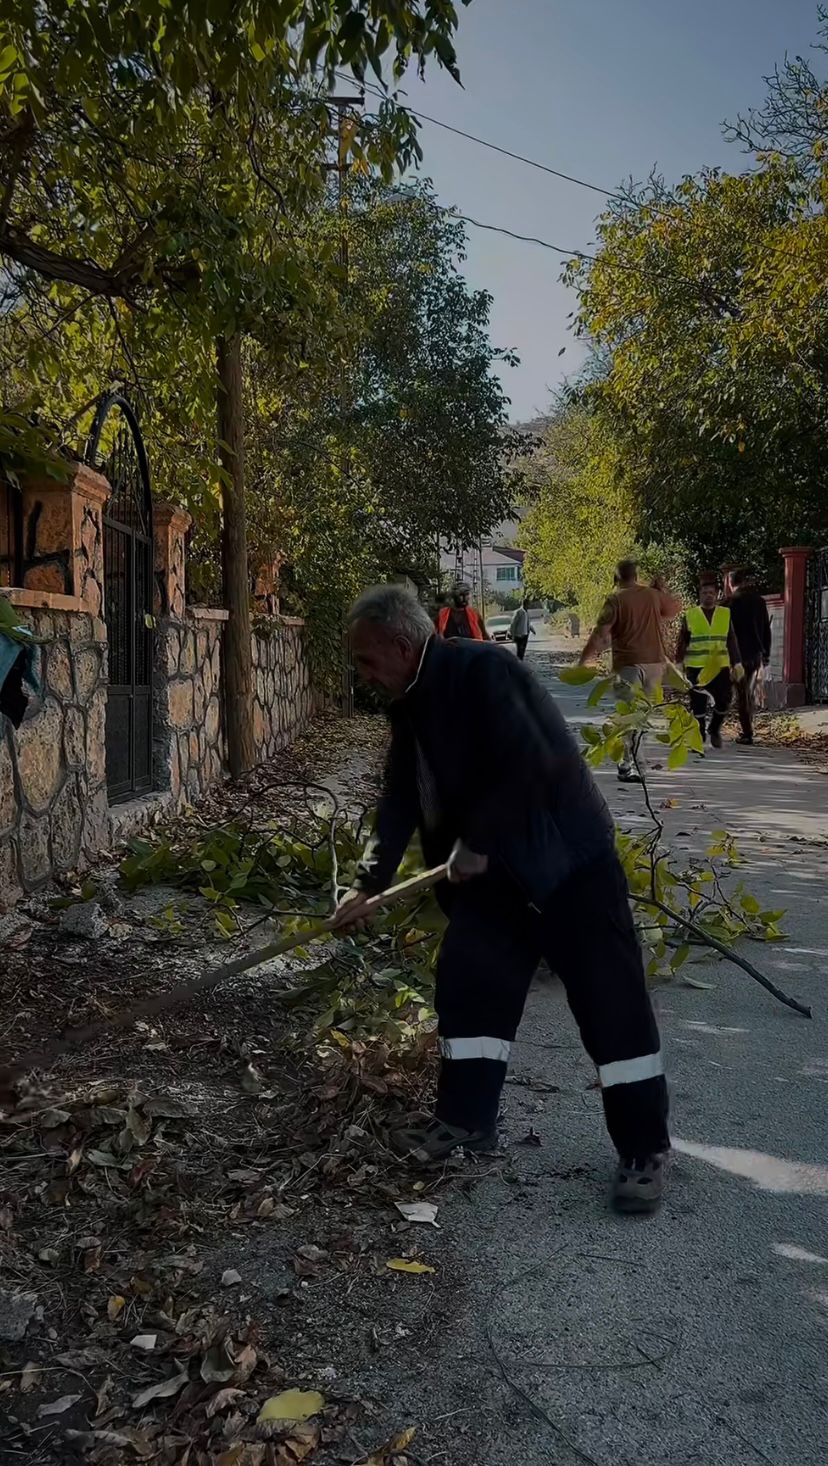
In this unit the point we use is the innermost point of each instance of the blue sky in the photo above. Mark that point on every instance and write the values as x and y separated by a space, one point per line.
599 88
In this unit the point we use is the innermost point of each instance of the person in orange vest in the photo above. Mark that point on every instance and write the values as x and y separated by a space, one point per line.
461 619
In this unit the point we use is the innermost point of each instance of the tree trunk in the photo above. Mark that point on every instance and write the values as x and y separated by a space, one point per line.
237 659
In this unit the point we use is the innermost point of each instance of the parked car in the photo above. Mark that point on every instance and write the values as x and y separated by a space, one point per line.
498 627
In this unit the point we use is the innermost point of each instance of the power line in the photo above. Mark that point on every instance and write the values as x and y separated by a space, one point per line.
494 147
453 213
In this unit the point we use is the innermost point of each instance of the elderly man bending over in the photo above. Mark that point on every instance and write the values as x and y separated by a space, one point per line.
483 764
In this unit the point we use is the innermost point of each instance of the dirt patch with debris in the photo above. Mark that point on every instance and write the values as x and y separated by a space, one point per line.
783 730
199 1216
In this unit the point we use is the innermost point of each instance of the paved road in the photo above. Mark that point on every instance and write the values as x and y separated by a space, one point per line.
698 1337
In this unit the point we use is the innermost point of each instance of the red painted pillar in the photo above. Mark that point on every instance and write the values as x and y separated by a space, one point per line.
796 591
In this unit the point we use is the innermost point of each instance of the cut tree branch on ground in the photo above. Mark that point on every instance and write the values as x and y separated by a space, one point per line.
724 951
184 992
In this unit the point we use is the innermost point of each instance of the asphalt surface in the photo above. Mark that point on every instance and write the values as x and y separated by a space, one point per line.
698 1337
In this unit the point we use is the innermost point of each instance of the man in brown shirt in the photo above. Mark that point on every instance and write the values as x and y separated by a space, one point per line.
633 621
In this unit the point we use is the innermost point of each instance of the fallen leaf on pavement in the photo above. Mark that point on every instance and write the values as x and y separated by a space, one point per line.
418 1211
252 1081
242 1455
532 1138
298 1446
57 1407
30 1377
114 1306
402 1265
230 1278
384 1454
222 1400
163 1391
218 1365
245 1363
291 1405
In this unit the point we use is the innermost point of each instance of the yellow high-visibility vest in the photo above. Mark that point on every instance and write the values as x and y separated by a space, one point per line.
708 639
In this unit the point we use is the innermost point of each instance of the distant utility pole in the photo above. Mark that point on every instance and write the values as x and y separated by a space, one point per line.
341 167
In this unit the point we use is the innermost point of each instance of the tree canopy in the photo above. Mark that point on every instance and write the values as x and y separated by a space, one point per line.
708 306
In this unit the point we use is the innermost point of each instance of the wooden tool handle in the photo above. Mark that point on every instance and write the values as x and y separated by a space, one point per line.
176 997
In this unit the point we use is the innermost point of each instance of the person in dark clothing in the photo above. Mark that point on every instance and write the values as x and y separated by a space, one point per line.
752 629
461 619
533 873
707 643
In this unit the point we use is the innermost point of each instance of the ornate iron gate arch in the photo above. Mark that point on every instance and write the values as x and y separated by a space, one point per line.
116 449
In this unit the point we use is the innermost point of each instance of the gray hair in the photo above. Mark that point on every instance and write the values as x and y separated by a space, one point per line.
395 609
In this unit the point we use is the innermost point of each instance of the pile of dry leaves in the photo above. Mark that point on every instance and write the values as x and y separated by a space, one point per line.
143 1179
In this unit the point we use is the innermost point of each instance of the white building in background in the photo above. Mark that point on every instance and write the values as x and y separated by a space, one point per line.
496 556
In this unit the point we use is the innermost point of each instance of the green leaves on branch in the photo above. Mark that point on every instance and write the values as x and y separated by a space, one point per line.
665 889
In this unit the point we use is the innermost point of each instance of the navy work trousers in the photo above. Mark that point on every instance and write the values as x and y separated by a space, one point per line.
490 952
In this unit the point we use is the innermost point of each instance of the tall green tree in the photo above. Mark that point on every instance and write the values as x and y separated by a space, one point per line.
152 159
709 302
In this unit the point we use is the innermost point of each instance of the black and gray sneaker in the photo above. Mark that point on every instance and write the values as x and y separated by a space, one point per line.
639 1184
434 1140
628 776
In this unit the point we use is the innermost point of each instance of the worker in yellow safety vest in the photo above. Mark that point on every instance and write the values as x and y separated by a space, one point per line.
707 641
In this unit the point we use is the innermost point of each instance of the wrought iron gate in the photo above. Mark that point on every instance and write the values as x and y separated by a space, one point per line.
116 448
818 627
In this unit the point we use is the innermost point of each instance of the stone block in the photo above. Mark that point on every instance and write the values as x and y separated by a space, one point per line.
10 888
80 628
200 697
212 720
67 827
202 648
172 771
96 740
59 671
180 702
188 652
258 726
9 808
194 756
167 650
35 855
87 672
184 756
74 738
40 755
96 829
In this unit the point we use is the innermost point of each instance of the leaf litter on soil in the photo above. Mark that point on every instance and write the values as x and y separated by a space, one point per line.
143 1169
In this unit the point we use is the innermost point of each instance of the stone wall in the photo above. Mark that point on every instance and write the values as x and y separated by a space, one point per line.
53 806
188 741
284 699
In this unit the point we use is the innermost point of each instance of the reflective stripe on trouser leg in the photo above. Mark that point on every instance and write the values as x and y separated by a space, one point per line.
476 1048
472 1070
631 1071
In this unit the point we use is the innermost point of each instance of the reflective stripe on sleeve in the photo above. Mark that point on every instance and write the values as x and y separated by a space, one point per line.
630 1071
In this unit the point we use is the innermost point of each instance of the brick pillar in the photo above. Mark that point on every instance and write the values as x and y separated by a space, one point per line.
63 536
796 559
169 527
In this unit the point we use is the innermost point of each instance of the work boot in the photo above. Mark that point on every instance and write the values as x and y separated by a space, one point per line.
639 1184
716 738
628 776
745 738
434 1140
